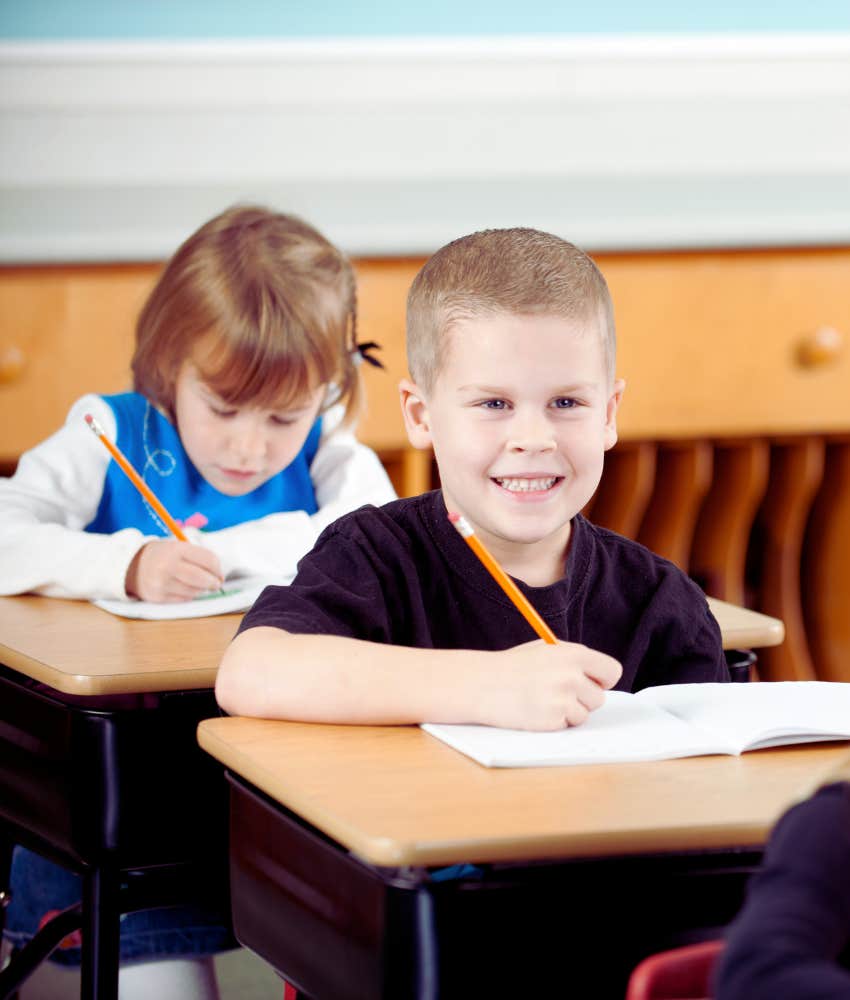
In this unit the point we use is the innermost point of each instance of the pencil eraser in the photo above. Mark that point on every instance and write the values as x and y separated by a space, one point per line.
89 419
454 518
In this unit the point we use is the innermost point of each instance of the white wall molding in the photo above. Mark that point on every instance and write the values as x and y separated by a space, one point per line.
117 151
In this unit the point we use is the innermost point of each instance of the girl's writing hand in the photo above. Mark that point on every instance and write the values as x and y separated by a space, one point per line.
167 570
544 687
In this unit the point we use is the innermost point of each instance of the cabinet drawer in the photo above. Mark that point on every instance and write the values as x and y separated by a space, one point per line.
723 344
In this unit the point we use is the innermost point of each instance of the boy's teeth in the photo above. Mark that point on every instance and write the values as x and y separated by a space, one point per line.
526 485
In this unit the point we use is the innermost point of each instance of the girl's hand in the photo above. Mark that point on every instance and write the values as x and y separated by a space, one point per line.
541 686
167 570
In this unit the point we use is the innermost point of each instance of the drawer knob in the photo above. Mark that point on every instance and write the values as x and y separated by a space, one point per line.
823 347
12 364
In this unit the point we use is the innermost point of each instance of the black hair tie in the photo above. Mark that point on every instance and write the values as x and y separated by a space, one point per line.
362 352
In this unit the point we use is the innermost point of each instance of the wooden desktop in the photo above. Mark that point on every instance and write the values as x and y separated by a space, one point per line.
395 796
79 649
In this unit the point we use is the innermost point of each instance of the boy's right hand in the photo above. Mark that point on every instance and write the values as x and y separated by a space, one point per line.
544 687
167 570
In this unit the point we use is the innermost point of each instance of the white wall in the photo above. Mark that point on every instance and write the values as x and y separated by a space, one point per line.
117 150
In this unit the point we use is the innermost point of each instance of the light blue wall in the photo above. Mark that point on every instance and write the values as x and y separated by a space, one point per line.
182 19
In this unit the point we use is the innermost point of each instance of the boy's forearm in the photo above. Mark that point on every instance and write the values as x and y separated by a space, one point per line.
273 674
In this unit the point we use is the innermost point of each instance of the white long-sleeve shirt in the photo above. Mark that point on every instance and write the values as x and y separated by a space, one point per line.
57 487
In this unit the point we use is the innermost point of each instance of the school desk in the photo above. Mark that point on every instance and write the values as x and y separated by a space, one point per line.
339 833
741 628
87 772
99 767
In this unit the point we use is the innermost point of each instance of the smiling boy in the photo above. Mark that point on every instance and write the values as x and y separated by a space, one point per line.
391 619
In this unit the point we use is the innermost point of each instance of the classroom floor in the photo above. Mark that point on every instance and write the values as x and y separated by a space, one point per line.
241 976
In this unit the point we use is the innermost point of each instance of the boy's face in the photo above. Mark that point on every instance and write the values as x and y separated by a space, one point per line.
238 448
519 418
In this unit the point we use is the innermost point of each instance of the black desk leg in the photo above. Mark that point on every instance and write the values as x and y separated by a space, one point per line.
428 964
101 931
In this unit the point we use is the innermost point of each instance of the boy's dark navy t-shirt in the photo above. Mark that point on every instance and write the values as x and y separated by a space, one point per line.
401 574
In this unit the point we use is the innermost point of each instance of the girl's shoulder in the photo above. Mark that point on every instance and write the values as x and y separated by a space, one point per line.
107 409
332 420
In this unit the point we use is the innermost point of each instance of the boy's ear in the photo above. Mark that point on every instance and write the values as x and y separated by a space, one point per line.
611 408
414 409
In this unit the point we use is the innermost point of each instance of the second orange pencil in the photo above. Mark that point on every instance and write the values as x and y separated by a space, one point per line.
136 479
523 605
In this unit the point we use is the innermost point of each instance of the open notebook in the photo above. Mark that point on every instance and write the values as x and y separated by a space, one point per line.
677 720
238 595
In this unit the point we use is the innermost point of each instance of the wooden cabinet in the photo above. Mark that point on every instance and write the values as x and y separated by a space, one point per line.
64 331
734 453
710 344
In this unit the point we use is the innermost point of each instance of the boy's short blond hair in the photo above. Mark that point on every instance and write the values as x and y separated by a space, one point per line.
271 300
521 272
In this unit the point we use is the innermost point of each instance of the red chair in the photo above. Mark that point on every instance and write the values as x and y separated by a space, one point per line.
679 974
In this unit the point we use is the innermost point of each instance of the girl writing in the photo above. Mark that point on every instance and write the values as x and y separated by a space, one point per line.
245 385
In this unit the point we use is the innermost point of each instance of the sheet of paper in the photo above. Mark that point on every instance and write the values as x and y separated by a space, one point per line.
624 729
759 714
239 595
674 720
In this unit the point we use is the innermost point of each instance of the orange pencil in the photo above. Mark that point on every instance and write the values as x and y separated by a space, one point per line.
522 603
136 479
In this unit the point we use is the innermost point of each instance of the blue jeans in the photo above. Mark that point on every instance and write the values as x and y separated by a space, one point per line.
40 887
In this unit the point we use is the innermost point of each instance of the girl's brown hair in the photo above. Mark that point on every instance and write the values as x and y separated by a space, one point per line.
272 300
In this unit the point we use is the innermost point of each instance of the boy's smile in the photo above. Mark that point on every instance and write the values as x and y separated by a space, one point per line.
520 417
538 485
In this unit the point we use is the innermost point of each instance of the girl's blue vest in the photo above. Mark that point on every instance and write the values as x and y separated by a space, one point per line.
153 446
